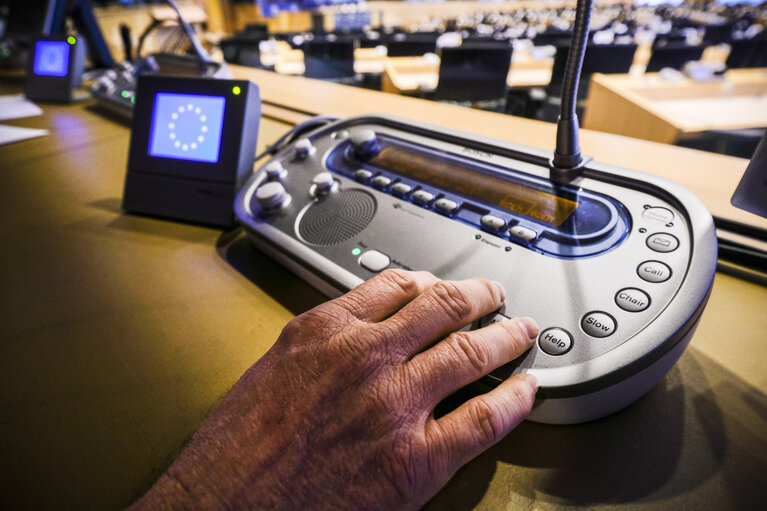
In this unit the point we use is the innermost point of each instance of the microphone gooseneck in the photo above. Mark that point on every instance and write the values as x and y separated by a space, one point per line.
568 161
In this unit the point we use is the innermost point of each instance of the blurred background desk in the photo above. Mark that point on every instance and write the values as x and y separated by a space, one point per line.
121 332
651 108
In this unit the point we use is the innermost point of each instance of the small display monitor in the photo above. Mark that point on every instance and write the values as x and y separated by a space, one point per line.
51 58
193 142
187 126
55 68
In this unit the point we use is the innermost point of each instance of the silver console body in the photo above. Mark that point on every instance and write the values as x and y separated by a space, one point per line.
650 297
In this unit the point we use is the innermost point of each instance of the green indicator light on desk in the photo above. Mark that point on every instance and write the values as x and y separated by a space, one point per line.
125 93
133 99
71 40
236 90
356 251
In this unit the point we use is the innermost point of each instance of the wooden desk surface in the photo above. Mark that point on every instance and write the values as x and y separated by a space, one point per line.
121 332
651 108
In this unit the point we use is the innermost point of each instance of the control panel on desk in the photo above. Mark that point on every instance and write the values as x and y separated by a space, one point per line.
599 263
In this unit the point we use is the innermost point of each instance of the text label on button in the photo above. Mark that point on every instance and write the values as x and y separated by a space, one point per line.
555 341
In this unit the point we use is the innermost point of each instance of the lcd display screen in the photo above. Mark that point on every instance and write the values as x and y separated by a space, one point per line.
187 126
442 173
51 58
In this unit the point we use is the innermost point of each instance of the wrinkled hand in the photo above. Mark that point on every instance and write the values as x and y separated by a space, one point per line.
339 413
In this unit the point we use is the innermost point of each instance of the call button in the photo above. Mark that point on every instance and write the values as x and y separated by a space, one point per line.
654 271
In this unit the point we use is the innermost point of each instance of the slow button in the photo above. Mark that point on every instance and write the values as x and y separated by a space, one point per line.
598 324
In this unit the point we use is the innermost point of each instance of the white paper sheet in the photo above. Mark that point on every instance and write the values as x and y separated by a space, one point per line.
16 106
10 134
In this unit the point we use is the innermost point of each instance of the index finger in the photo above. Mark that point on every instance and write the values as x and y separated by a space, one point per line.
386 293
445 307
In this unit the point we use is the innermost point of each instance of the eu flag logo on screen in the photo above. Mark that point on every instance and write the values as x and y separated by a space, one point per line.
51 58
187 126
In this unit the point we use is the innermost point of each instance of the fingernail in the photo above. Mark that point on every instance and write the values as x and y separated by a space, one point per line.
532 382
501 289
530 326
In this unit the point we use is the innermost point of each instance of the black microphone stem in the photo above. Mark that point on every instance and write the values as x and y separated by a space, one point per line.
567 161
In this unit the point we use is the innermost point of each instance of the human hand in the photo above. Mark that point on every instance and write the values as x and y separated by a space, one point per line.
339 413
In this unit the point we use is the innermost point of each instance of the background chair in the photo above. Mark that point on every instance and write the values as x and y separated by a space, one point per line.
411 45
748 53
330 60
242 50
673 55
474 74
599 58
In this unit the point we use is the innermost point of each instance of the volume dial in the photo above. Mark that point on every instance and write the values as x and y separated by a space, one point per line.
303 148
323 183
275 170
272 195
365 143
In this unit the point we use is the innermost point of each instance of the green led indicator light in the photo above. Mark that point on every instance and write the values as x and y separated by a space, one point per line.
125 93
133 99
356 251
236 90
71 40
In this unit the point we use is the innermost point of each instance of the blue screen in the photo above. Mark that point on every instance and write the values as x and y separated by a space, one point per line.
51 58
187 126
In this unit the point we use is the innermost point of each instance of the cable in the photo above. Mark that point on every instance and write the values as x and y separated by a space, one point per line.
198 49
295 132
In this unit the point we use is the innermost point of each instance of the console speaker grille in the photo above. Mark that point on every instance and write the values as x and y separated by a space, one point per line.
337 217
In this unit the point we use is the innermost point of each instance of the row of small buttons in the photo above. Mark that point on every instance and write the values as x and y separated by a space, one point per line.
558 341
498 224
443 204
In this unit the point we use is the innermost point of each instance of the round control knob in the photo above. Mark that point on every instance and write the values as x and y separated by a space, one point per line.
275 170
272 195
323 182
303 148
124 66
104 85
365 143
